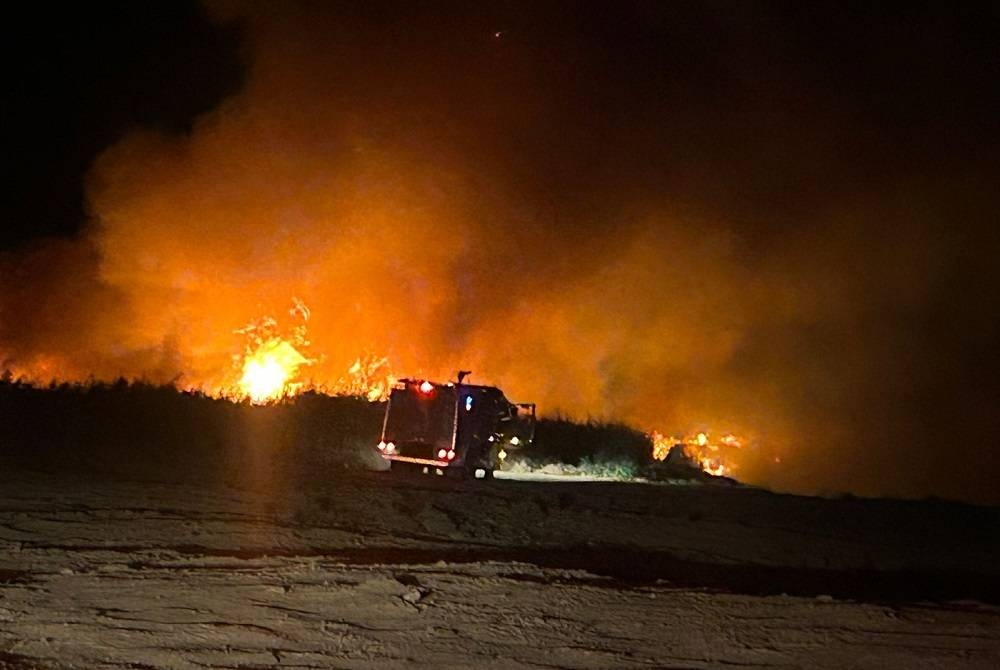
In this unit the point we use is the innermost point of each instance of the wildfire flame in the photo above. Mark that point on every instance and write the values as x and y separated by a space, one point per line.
271 361
709 455
369 377
269 368
268 372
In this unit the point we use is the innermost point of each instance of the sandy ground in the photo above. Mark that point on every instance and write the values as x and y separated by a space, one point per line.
373 570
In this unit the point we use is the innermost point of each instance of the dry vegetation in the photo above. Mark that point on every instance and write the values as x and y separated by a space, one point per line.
156 430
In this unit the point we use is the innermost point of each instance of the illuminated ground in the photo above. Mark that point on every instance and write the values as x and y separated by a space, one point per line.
370 570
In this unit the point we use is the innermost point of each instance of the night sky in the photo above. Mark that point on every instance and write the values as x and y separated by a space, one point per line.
776 217
81 76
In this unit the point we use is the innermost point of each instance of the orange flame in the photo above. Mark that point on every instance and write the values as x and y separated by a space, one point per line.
270 367
369 377
268 372
271 362
710 456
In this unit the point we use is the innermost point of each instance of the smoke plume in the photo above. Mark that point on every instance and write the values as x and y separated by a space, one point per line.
708 235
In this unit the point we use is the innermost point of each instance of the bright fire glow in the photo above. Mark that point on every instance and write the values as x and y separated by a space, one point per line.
268 372
270 367
370 377
426 387
661 445
701 450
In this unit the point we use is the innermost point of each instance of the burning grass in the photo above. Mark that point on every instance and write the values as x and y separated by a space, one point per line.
272 368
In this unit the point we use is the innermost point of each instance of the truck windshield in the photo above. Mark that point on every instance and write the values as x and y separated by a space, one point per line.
428 418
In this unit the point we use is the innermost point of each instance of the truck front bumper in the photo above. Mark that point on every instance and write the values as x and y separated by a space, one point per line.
418 461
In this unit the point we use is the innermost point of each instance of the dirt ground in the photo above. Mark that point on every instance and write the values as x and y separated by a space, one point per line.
374 570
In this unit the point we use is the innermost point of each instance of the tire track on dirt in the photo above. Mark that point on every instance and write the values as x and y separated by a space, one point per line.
612 566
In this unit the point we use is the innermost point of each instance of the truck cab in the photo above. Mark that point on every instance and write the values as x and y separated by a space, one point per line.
453 428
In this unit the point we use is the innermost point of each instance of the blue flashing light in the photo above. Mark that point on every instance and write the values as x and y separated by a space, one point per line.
468 403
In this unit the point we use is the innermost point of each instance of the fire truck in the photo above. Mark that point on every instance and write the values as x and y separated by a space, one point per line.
453 428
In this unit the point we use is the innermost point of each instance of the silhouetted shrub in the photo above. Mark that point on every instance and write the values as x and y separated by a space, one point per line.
160 432
564 441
